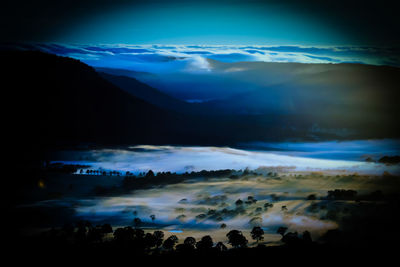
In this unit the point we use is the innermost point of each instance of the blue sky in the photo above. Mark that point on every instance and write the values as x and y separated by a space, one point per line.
227 22
198 23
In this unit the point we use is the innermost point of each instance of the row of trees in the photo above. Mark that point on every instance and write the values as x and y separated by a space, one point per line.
150 174
135 238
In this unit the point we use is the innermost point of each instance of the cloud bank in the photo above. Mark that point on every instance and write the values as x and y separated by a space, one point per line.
176 58
181 159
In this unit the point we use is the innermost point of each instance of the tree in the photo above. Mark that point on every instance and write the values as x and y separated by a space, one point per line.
291 239
188 246
138 233
125 234
159 235
150 174
150 240
236 239
95 235
83 228
257 233
221 247
170 242
206 243
190 242
267 206
311 197
282 230
106 228
239 202
307 237
251 200
137 222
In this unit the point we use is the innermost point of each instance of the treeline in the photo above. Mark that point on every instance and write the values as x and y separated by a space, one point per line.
84 234
349 194
388 160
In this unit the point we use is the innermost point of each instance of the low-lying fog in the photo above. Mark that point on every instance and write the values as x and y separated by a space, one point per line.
334 156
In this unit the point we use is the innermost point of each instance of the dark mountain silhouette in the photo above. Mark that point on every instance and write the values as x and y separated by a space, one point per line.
56 101
124 72
152 95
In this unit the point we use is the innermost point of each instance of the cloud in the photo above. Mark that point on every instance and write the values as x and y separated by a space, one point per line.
153 57
199 63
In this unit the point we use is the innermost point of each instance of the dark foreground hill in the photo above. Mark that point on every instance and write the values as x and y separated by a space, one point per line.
152 95
53 101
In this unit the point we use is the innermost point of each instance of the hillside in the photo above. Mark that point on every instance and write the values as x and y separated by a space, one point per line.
152 95
55 102
59 101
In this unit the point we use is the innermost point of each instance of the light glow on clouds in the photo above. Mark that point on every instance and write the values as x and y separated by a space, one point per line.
199 63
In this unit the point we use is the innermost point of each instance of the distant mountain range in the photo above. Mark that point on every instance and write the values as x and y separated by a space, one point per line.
336 100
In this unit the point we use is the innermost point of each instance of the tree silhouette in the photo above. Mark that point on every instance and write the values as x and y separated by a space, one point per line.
137 222
150 240
267 206
236 239
311 197
239 202
83 229
257 233
124 235
188 246
307 237
150 174
282 230
106 228
159 236
170 242
291 239
206 243
190 242
220 247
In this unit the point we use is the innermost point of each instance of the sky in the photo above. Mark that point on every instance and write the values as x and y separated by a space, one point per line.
234 22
